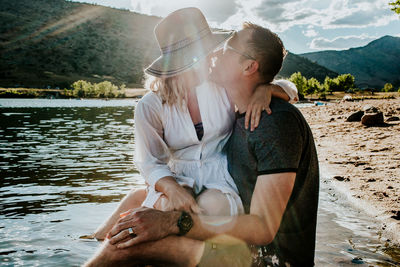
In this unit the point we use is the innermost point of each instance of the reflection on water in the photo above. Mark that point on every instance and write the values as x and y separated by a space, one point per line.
65 164
62 169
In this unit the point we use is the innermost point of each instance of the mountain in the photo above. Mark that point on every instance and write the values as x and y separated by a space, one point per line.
294 63
372 65
56 42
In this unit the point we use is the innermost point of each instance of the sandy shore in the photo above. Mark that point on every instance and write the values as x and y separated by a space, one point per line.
363 162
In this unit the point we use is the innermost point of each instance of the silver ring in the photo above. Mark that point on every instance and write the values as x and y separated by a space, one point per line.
131 232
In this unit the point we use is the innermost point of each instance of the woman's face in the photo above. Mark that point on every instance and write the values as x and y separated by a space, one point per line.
199 73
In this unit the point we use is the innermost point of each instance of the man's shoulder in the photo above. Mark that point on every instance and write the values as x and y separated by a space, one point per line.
279 106
283 115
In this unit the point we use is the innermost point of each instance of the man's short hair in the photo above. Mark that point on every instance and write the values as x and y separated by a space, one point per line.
267 48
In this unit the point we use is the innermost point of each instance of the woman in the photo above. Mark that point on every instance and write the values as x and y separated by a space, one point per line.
182 125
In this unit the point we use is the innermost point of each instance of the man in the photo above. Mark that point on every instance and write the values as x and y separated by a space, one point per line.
275 168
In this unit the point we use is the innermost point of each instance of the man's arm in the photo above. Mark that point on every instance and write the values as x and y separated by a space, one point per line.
270 197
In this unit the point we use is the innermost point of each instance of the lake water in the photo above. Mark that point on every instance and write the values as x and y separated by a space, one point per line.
65 164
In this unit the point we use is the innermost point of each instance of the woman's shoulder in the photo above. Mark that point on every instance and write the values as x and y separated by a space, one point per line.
151 99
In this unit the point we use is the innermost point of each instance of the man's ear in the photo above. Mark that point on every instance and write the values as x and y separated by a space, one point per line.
251 67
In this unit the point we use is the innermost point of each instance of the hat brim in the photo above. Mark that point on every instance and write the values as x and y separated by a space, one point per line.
173 63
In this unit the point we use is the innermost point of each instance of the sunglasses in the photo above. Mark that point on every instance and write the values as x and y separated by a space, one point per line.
226 46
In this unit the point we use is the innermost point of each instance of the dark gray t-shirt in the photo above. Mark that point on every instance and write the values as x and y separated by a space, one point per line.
283 142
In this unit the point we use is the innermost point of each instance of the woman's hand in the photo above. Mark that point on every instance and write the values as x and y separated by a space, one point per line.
176 196
260 101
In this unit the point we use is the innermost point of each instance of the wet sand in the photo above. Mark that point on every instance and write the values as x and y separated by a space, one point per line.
363 162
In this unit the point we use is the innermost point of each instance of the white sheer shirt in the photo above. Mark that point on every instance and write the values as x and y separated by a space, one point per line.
167 143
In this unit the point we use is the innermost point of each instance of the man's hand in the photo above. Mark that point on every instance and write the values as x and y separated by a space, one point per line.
147 225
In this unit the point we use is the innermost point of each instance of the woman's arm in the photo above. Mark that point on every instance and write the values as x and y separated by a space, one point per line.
284 90
152 155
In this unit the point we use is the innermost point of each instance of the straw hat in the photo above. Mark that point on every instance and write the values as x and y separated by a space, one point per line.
184 38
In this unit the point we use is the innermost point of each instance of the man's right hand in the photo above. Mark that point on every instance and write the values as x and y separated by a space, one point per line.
176 197
147 225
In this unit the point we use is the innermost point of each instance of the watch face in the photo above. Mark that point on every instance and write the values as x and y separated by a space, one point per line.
185 223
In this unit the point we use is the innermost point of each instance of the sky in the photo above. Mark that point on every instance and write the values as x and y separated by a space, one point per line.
303 25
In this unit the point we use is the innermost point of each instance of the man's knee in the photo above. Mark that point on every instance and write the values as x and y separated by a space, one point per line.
217 254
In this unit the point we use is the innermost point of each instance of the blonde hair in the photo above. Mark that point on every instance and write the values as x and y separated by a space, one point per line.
171 90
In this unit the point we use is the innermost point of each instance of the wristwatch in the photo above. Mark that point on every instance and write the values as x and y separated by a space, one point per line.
185 223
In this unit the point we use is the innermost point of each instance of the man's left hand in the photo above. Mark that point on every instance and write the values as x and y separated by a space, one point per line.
147 225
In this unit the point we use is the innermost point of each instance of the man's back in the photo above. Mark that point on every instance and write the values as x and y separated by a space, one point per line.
282 142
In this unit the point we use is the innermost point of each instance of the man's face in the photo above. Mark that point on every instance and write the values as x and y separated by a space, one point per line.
228 63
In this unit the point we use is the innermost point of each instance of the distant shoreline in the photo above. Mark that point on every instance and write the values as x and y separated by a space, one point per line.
60 93
139 92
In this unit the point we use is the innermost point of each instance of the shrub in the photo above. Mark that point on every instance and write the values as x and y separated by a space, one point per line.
102 90
388 88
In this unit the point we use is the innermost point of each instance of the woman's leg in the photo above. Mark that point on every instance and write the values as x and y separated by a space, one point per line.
214 203
132 200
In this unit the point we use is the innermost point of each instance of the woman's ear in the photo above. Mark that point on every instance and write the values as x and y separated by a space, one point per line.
251 67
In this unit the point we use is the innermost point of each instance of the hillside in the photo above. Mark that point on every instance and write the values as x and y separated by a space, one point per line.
372 65
55 42
52 43
294 63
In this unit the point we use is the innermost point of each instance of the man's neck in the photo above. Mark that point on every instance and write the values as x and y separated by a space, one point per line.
241 94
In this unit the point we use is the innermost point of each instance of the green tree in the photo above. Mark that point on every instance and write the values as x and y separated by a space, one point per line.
398 90
395 6
80 88
301 83
388 87
331 84
346 82
313 87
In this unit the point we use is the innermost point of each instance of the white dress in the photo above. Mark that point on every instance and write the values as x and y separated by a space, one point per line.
167 143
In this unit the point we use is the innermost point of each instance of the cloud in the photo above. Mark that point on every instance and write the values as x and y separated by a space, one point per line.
278 15
310 33
341 42
360 14
283 15
216 11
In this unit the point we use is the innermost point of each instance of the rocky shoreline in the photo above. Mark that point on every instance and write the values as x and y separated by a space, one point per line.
362 161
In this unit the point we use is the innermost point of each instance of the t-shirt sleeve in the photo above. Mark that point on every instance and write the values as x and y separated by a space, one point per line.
277 143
